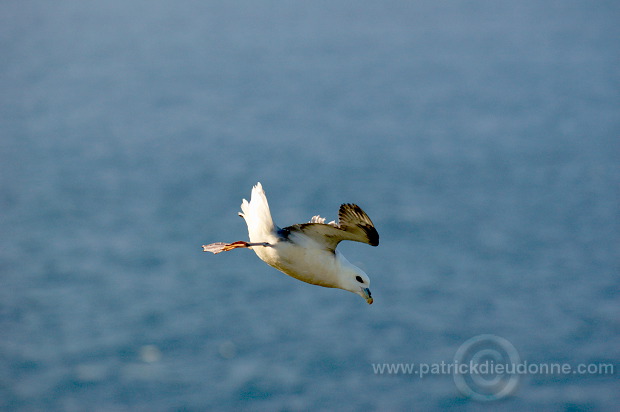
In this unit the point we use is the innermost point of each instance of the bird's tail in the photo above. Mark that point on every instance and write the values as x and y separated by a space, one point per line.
257 216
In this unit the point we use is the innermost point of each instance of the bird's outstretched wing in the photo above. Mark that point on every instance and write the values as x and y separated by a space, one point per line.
353 224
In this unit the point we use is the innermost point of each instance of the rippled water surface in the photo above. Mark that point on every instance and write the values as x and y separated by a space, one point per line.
481 138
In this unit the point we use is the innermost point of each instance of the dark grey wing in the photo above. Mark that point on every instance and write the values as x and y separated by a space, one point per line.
327 235
353 220
353 224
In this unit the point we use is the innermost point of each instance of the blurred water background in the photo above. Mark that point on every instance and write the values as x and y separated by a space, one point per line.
481 137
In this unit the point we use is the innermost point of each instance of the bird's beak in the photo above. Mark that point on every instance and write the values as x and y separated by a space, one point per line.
366 295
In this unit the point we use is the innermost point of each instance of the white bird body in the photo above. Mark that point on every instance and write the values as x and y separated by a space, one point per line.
307 251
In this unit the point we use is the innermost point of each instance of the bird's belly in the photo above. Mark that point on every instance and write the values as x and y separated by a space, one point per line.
314 266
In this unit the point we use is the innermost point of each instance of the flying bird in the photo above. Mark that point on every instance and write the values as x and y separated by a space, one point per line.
307 251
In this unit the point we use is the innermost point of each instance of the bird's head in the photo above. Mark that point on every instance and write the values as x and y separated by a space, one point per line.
356 281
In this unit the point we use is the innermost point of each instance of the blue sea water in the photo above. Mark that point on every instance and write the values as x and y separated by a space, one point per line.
481 137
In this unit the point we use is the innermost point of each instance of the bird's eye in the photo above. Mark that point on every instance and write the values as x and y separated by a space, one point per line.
359 279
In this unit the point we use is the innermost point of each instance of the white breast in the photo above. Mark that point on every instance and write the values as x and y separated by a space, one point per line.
306 261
